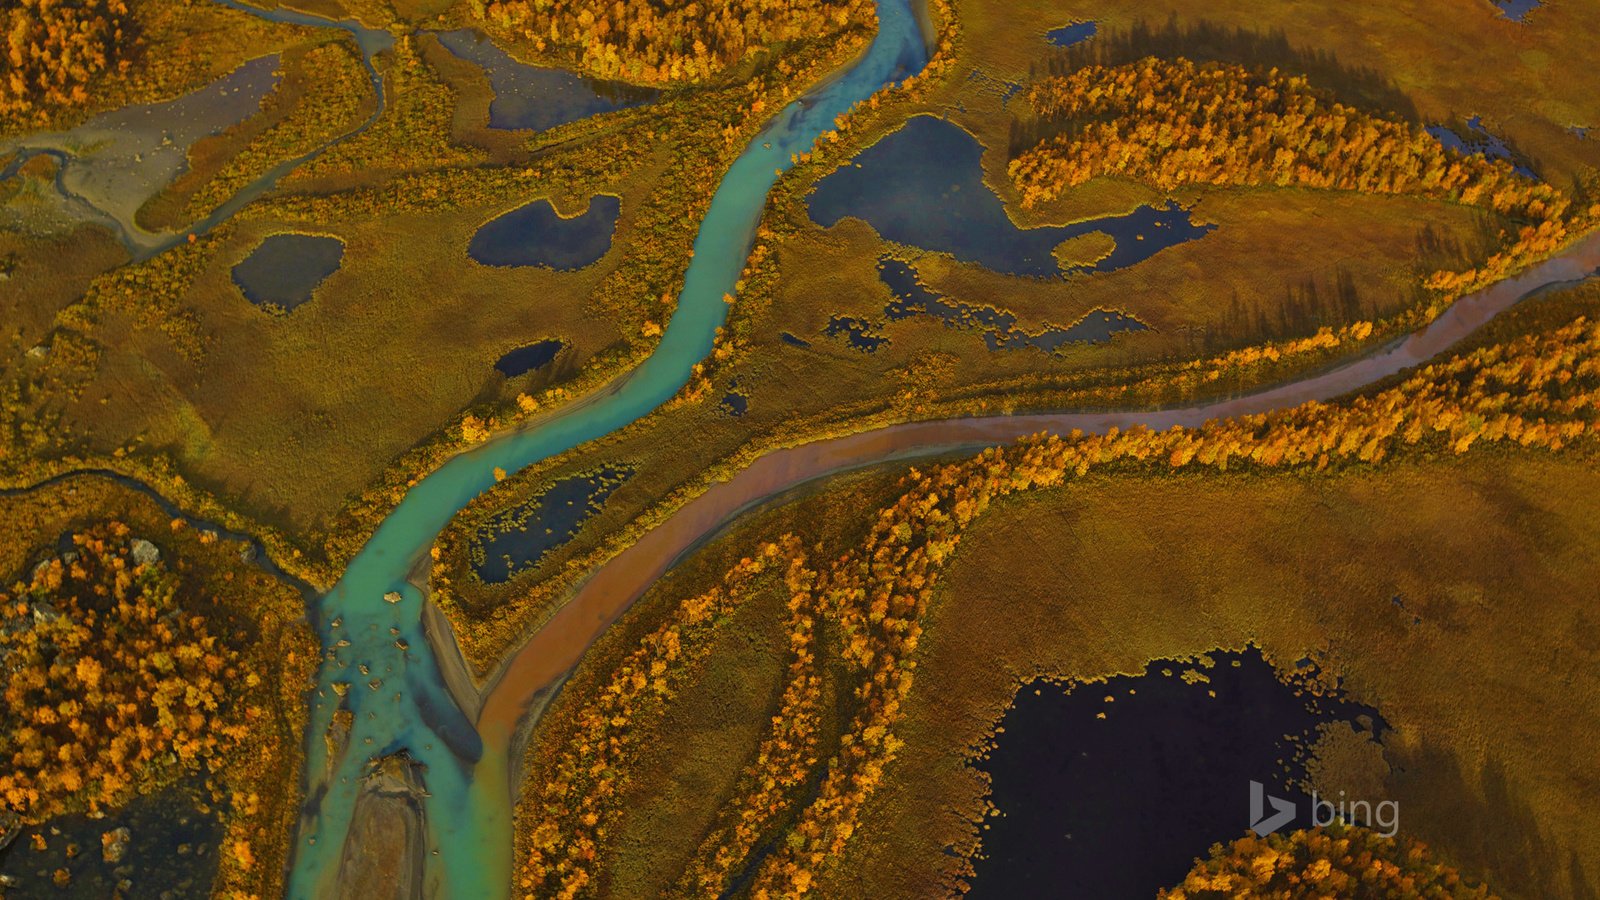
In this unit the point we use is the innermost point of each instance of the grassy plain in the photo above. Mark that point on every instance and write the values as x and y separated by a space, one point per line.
1281 263
289 415
279 415
1492 551
1447 591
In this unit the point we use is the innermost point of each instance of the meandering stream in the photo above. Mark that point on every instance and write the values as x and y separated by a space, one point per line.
380 667
551 652
109 166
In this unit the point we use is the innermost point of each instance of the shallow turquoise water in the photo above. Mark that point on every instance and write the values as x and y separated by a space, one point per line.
398 702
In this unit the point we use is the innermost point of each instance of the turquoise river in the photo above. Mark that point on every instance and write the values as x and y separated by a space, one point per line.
379 665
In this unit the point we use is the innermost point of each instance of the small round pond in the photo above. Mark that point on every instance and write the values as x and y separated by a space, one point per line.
526 359
285 269
537 235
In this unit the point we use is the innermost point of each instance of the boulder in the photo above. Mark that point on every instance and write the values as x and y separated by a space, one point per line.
144 552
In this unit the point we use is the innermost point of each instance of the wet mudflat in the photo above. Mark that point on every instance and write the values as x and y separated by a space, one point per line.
537 97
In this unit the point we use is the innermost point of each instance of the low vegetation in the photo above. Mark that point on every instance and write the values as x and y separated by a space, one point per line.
1538 390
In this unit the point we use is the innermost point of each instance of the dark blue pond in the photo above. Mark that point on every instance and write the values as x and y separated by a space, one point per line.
515 539
735 404
923 186
1067 35
285 269
1516 10
860 333
534 97
1000 331
1481 143
536 235
171 849
794 340
1120 807
522 360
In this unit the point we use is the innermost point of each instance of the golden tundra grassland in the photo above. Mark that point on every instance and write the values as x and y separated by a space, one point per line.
1271 243
305 428
163 365
410 325
1494 550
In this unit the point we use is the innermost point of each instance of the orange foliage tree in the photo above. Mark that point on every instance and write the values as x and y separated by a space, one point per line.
647 41
1176 122
570 812
109 681
1337 861
55 48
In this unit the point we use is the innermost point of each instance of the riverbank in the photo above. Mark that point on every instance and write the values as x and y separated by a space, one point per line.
608 591
1364 523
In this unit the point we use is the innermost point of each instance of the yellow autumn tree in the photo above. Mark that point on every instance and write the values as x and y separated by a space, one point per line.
1336 861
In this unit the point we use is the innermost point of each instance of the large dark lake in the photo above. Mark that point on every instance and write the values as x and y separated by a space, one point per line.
1120 806
923 186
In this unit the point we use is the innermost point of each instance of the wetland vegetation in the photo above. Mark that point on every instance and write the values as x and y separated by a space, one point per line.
889 681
